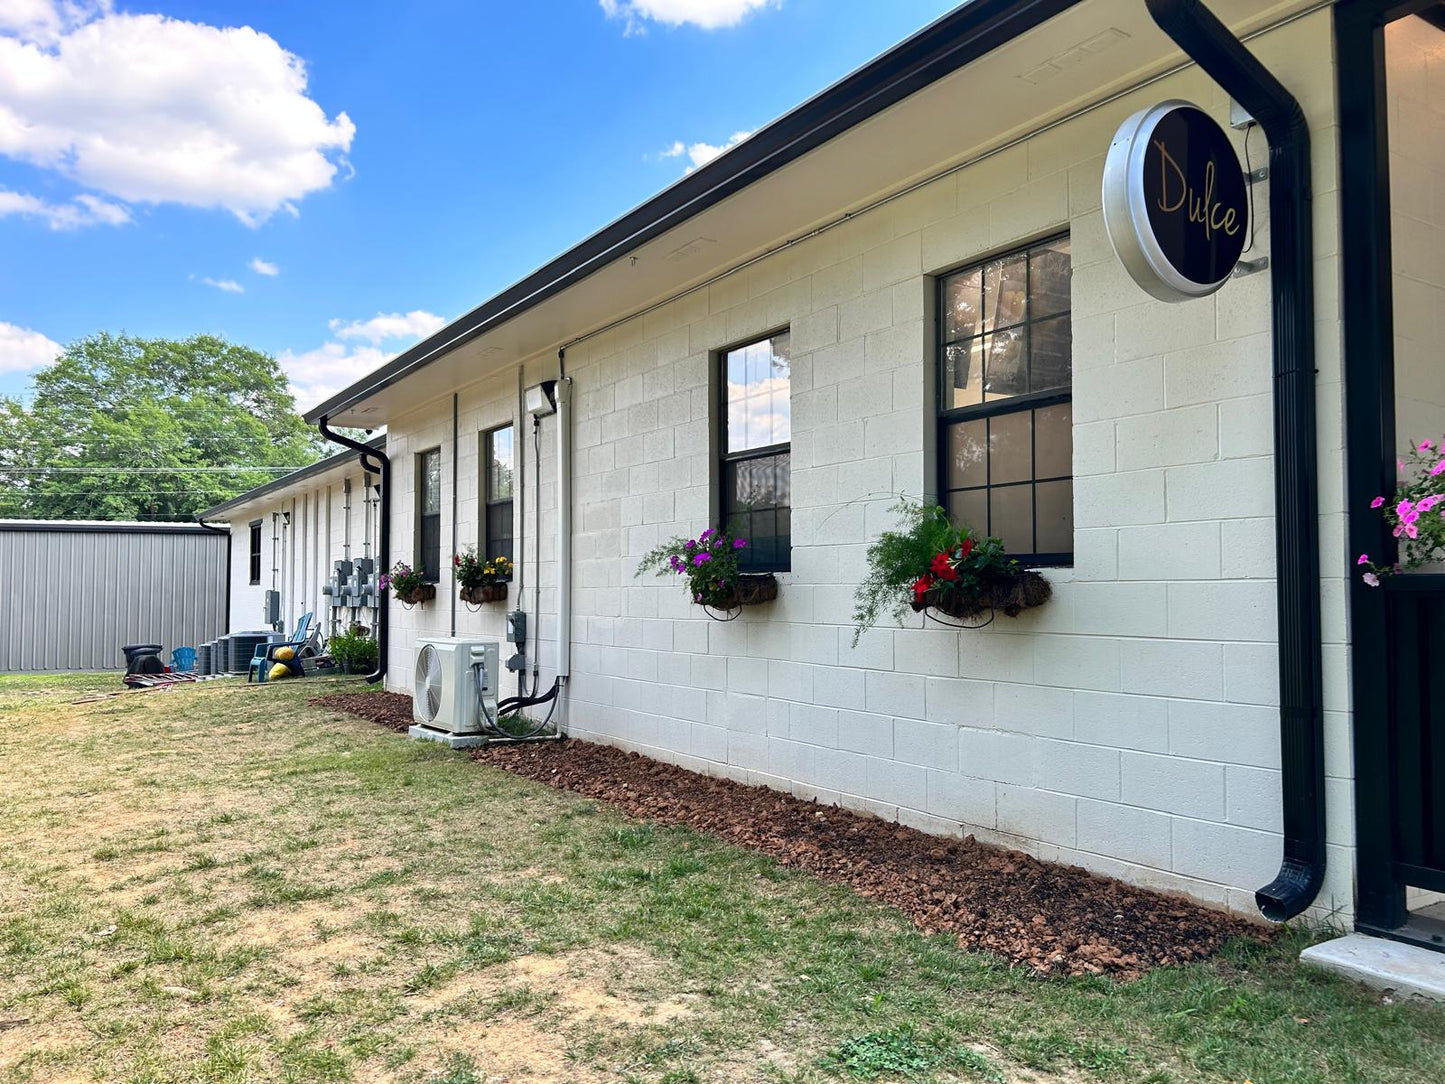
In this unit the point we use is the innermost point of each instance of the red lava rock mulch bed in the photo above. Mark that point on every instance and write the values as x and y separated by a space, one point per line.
391 710
1053 918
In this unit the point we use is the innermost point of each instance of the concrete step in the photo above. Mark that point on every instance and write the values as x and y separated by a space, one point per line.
1391 966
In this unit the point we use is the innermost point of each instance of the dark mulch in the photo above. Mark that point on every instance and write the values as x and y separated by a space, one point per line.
1056 919
391 710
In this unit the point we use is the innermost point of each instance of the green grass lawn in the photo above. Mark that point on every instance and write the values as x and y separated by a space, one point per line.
218 883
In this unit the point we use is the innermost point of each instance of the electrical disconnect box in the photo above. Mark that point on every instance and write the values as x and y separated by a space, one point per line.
271 608
517 627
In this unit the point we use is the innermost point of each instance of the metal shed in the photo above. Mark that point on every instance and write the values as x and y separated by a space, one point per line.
71 593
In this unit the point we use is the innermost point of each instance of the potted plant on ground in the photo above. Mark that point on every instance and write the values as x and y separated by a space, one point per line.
407 584
709 564
1416 513
354 650
930 566
482 580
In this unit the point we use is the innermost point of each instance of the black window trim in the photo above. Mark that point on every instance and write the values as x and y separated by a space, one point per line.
1014 404
721 457
484 459
255 546
417 504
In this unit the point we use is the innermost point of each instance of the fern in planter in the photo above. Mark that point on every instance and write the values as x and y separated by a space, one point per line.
928 563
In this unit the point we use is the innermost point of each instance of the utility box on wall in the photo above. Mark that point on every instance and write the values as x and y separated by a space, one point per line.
271 608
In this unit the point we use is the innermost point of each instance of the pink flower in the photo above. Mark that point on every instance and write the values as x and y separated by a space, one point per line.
1403 509
1371 579
1425 446
1364 559
1379 501
702 559
739 543
1438 469
1411 531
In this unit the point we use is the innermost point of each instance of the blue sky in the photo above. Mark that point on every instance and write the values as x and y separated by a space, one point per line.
327 182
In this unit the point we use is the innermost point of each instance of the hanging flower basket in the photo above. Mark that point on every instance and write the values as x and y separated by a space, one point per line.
416 595
487 592
932 567
1006 593
749 589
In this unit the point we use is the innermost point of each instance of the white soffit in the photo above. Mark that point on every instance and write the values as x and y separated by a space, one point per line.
1080 56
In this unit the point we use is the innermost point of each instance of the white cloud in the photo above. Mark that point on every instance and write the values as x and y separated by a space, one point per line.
416 324
263 267
23 350
82 210
230 286
700 154
316 375
705 14
148 109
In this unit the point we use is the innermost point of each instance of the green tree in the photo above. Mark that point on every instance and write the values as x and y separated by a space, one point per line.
128 428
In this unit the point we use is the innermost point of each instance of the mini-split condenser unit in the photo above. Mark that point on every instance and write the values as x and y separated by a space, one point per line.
455 680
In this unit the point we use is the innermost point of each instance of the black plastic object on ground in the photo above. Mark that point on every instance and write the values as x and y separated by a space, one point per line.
143 659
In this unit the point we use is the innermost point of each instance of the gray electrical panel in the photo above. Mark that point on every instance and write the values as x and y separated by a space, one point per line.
271 608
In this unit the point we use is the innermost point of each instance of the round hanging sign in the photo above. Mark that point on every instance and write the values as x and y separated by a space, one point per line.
1176 206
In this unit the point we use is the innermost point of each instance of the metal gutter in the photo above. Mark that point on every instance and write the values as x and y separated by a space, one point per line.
957 39
383 536
1196 30
276 484
94 526
226 620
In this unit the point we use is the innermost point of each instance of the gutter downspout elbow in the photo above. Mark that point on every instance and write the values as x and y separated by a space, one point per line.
1207 41
369 456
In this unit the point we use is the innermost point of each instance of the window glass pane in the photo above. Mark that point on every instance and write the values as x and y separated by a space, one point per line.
962 305
1051 353
1054 441
1049 280
1006 374
759 394
1005 292
1011 517
1010 447
500 464
970 509
1056 516
431 482
963 374
966 451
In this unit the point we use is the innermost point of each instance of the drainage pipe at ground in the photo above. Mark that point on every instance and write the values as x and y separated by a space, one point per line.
383 536
1207 41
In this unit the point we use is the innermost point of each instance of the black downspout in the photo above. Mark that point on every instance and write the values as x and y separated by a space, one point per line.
1208 42
383 534
226 618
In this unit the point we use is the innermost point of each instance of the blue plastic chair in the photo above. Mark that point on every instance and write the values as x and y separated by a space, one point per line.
183 660
261 660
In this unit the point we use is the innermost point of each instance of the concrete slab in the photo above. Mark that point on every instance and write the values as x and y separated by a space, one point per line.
1400 969
444 737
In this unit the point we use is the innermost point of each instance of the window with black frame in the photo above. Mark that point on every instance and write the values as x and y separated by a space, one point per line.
255 554
497 471
1005 400
429 515
756 474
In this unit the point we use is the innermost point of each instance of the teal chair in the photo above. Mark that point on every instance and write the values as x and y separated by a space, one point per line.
265 653
183 660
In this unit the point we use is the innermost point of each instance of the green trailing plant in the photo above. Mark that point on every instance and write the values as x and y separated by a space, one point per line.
927 562
474 571
353 650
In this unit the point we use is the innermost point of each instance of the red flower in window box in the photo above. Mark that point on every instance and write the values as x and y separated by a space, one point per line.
942 567
921 587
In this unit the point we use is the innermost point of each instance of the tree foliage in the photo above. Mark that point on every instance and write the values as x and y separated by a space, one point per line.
119 426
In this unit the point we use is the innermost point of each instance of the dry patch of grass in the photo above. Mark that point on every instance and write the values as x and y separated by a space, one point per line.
223 884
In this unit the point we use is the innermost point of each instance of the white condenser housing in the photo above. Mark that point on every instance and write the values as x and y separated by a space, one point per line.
453 678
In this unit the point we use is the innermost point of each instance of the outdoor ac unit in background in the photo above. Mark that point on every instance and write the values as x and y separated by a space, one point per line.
444 693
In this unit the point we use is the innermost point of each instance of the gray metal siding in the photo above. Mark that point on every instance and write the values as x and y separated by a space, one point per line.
69 599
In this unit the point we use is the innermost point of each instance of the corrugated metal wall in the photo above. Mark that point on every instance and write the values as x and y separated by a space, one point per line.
72 594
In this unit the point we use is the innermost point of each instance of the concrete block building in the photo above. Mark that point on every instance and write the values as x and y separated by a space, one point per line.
908 286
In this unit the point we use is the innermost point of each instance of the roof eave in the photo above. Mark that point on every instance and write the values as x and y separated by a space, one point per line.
962 36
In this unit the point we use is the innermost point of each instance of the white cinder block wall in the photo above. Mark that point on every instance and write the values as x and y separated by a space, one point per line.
324 528
1130 725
